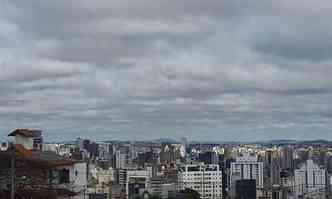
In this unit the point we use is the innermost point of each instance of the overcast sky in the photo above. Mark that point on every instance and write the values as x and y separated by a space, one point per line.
207 70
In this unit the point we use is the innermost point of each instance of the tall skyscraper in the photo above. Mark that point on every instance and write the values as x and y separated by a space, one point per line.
184 147
120 160
275 171
287 161
272 168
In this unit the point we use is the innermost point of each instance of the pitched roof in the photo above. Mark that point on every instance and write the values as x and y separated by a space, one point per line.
26 133
50 159
41 158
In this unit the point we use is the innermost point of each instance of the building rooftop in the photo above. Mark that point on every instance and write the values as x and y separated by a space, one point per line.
41 158
26 132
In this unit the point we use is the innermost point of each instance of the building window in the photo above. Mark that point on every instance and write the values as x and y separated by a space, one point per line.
37 143
64 176
54 177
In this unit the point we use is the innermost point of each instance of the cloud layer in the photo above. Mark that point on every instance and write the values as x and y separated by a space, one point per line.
212 70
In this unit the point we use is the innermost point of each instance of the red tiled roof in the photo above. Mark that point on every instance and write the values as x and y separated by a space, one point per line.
26 132
51 159
42 158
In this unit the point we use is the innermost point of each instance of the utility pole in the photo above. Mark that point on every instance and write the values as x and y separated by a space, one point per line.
12 171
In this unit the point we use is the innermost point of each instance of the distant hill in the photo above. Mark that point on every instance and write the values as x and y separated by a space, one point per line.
286 141
316 142
283 141
166 140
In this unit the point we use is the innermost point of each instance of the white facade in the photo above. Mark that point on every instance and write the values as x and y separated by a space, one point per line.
77 178
247 167
120 160
51 147
27 142
64 150
310 180
205 179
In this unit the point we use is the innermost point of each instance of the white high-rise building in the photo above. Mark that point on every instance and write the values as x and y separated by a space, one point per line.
205 179
310 180
120 160
183 148
246 167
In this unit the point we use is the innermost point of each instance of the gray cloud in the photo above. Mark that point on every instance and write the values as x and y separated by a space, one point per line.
149 69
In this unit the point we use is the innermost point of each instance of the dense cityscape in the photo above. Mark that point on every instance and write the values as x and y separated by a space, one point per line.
164 169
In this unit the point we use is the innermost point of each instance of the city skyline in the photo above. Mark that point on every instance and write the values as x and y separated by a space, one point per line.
212 70
159 170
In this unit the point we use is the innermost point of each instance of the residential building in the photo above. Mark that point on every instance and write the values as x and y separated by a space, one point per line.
28 138
46 174
287 161
246 167
205 179
310 179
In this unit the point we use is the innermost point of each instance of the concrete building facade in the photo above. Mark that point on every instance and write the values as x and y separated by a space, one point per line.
205 179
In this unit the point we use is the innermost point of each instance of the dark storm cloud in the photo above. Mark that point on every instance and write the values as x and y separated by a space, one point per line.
124 69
